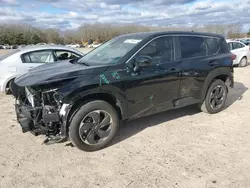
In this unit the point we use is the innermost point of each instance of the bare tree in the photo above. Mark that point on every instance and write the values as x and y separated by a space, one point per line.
23 33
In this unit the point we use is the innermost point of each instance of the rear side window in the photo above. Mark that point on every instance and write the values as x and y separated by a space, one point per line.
237 45
38 57
192 47
212 45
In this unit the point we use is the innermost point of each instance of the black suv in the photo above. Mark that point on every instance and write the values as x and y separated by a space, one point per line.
127 77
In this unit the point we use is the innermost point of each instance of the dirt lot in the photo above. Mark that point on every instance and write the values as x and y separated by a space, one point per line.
177 149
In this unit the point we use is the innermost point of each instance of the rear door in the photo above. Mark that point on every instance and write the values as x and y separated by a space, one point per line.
34 59
198 56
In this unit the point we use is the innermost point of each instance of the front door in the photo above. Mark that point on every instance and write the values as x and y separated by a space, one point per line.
154 88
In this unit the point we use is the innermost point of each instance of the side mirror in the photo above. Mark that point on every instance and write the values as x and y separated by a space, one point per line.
142 61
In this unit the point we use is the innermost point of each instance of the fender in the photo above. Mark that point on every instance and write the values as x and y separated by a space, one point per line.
221 71
7 81
71 100
79 89
68 105
121 99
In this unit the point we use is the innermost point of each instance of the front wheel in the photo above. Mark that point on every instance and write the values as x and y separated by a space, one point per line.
94 126
7 89
216 97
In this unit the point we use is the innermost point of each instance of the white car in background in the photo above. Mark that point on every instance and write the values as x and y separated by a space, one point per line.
41 43
20 61
241 51
6 46
94 45
73 45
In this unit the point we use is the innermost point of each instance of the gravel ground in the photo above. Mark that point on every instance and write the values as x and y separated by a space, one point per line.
183 148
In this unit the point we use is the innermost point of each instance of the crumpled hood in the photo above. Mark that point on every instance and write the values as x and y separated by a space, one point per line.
59 71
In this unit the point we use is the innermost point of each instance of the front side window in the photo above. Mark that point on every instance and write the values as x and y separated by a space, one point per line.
112 51
161 50
38 57
192 46
65 55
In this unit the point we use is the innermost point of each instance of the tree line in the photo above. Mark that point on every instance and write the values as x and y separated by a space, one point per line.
26 34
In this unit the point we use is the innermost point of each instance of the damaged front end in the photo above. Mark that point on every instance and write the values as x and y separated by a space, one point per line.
39 110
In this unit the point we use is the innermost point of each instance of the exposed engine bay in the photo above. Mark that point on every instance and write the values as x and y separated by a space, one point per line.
38 111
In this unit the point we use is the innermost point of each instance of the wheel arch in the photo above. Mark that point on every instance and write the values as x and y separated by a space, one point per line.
244 56
224 74
77 102
7 81
109 98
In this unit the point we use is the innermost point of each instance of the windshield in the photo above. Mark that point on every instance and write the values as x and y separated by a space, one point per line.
112 51
12 52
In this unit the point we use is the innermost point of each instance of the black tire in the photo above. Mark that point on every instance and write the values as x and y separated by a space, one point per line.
7 89
208 102
75 125
243 62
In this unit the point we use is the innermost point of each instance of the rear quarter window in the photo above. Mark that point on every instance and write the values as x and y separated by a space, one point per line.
230 46
224 47
212 45
237 45
42 56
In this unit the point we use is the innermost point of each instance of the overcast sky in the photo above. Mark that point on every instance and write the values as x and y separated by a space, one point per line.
70 14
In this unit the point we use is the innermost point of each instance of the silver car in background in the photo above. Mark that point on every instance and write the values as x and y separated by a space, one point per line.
21 60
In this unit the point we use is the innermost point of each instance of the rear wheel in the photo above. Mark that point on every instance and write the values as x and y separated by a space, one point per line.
94 126
243 62
216 97
7 89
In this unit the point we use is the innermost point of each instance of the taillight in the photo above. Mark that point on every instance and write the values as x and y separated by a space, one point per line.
233 56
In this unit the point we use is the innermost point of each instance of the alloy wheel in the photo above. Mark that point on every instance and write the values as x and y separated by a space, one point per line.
217 97
95 127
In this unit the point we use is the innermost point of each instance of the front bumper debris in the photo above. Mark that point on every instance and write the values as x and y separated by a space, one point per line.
24 118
